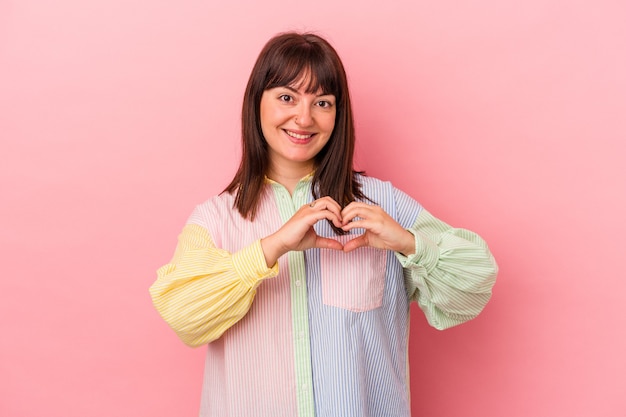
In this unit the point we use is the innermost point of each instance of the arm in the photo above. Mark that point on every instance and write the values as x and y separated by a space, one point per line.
451 273
205 290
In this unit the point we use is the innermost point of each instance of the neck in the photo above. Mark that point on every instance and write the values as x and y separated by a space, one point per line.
288 175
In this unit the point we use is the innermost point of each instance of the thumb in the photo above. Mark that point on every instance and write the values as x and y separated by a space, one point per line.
327 243
355 243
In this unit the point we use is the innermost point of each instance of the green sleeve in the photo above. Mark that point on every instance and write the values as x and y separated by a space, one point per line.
451 273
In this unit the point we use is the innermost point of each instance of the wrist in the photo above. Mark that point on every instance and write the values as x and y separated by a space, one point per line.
408 247
271 249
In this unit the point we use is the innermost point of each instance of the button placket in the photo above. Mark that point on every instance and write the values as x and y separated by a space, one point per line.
288 205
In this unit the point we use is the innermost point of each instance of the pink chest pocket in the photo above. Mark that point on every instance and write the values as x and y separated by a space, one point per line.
355 280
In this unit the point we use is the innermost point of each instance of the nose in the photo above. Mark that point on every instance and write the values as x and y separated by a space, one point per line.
303 115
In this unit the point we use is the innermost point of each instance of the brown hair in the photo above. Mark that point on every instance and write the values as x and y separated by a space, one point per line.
284 60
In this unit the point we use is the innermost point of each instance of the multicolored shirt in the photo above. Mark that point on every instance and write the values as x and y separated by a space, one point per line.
322 332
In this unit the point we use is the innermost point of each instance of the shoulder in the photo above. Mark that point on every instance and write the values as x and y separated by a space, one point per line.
394 201
372 183
377 189
212 209
221 208
376 185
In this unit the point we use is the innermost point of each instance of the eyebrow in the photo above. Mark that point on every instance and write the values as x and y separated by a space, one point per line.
297 92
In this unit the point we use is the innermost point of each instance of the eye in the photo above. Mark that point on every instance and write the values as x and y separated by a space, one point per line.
285 98
325 104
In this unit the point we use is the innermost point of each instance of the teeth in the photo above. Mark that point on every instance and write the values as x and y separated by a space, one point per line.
297 136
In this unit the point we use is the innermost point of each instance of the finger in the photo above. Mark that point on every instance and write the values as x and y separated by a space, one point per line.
356 204
324 207
355 224
354 210
326 243
355 243
327 203
326 214
329 199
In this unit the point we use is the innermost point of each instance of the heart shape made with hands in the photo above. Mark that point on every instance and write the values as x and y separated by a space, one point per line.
351 242
372 227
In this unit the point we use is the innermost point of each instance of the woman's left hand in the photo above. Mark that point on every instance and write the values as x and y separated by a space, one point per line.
381 231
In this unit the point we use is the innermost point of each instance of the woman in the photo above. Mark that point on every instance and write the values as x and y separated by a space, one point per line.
299 276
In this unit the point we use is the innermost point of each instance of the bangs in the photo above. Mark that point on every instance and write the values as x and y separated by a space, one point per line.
305 67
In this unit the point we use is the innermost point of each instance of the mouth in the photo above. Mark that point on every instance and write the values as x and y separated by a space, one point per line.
299 136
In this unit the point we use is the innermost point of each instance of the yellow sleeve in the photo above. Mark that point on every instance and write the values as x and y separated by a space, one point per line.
204 290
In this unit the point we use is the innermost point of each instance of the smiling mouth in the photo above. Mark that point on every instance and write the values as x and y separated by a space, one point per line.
299 136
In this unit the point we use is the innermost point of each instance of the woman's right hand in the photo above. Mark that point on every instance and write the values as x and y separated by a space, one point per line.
298 233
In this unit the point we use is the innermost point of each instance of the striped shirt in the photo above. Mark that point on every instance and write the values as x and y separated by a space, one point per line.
321 333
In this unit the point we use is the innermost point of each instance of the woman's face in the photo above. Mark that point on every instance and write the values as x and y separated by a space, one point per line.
296 124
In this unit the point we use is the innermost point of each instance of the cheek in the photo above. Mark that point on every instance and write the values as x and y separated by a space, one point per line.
272 117
268 122
267 112
328 123
263 114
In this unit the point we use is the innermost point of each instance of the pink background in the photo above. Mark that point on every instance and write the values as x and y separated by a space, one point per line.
505 117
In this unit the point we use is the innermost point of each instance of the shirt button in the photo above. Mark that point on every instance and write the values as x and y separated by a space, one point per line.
301 335
298 283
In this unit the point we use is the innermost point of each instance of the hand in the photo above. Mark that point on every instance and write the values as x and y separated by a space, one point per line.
298 233
381 231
